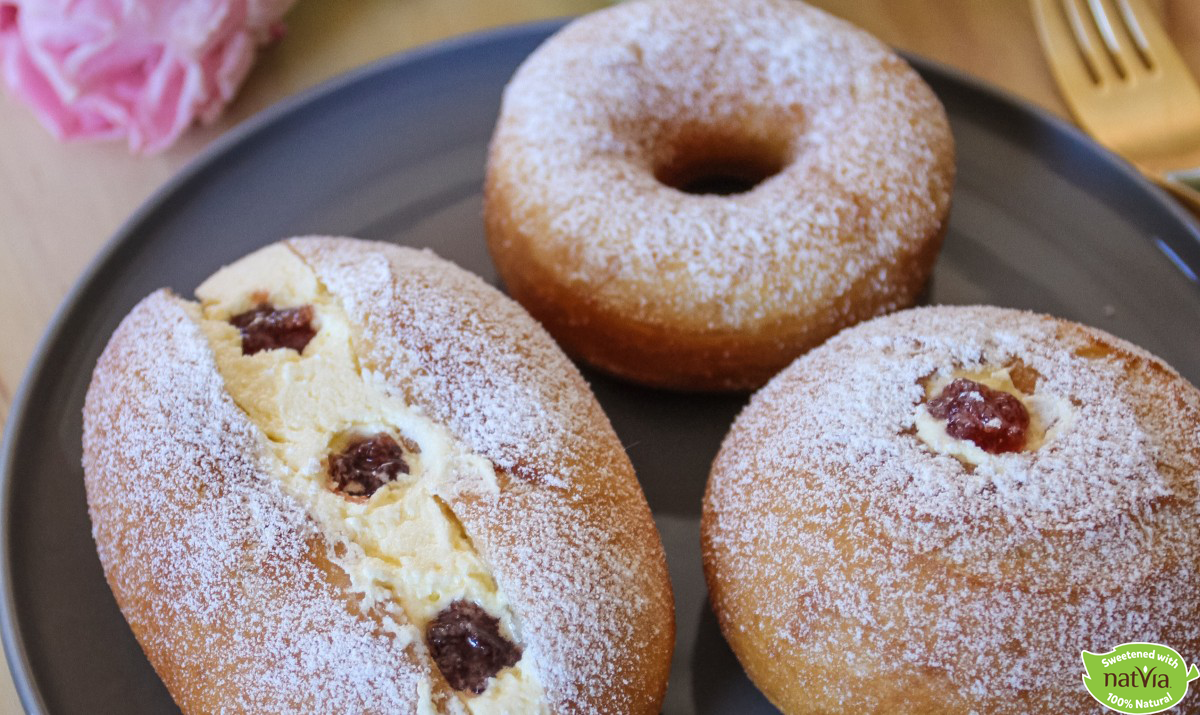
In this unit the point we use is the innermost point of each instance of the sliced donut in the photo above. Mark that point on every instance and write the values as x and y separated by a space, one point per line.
691 193
355 478
884 532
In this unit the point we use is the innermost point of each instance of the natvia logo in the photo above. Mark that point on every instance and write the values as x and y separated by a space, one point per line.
1137 677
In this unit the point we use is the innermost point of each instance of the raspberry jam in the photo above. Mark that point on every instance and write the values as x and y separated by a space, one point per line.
995 421
366 464
265 328
467 646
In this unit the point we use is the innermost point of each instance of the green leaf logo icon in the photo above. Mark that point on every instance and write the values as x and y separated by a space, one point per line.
1137 677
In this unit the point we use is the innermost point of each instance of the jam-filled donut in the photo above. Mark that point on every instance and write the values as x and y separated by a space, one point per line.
354 478
690 193
936 511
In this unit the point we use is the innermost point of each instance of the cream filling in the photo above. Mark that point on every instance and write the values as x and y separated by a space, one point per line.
1049 416
402 548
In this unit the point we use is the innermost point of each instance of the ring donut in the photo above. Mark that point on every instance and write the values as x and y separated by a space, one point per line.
690 193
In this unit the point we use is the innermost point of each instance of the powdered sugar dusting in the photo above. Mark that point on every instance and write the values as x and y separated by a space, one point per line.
211 563
568 535
423 322
588 118
844 532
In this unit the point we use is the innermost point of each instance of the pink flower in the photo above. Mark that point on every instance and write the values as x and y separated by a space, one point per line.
139 69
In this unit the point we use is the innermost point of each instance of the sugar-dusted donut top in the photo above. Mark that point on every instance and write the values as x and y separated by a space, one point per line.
571 538
1086 541
588 118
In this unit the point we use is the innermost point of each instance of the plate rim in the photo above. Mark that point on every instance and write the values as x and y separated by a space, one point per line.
126 238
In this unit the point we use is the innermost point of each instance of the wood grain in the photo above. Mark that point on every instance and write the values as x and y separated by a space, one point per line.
60 203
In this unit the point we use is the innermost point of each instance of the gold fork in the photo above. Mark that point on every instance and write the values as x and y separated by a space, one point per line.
1126 84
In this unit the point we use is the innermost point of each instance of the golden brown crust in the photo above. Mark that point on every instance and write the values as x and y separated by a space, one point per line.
570 537
221 578
689 358
854 569
243 610
714 292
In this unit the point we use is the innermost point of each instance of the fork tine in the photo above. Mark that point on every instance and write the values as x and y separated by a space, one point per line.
1134 26
1121 50
1178 99
1070 64
1159 48
1090 44
1152 115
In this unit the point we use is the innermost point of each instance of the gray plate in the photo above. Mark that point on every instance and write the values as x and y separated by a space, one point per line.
1043 219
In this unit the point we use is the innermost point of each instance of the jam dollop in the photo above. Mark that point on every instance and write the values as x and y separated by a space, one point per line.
467 646
366 464
265 328
994 420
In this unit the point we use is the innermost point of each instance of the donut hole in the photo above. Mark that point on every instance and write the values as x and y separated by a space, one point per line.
712 163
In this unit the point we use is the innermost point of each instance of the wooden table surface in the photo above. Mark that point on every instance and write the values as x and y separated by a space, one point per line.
60 203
